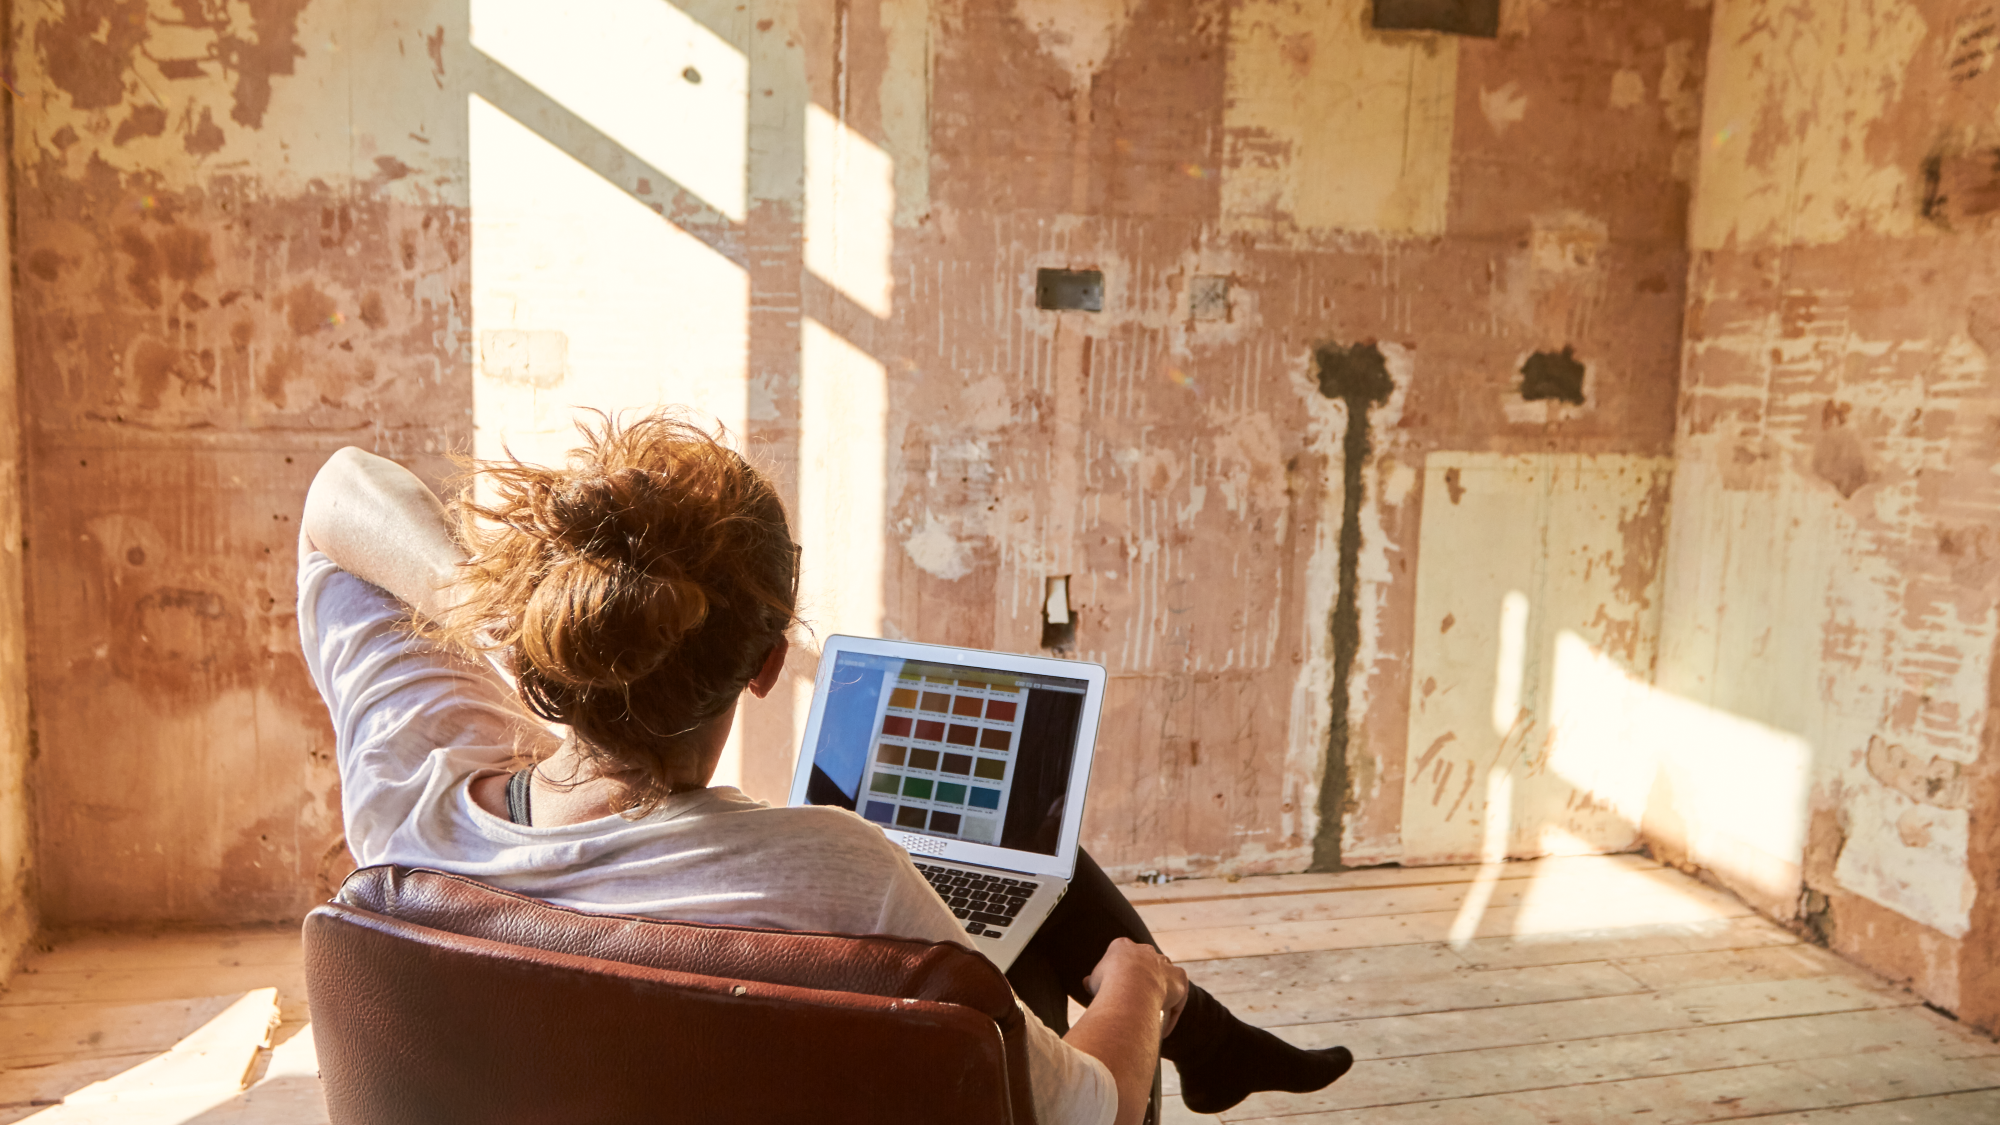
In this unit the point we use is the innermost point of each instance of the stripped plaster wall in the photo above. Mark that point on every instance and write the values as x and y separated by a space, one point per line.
240 234
251 233
1460 205
1832 589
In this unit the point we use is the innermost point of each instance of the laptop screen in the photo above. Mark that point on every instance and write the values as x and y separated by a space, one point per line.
948 750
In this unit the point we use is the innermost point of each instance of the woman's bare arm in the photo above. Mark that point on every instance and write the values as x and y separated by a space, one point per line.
1133 987
378 522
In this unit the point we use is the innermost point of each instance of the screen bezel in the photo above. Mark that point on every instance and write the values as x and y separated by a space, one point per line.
1063 863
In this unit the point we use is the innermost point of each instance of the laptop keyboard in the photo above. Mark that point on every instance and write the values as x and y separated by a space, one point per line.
987 904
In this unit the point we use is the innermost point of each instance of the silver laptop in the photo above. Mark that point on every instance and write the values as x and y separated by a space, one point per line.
975 763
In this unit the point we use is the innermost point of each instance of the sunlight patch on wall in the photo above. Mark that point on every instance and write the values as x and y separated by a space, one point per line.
1537 569
1509 668
1726 791
583 297
850 208
843 408
647 75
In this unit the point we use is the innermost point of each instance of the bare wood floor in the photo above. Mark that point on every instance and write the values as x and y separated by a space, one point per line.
1561 991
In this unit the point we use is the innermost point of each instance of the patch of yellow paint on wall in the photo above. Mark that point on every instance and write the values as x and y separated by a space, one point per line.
1793 91
1330 126
905 94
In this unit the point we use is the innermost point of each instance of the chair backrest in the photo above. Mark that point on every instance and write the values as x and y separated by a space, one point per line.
436 998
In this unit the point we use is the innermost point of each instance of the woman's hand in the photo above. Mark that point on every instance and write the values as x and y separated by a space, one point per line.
1136 994
1127 957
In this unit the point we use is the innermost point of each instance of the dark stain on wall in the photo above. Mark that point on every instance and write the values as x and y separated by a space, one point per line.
90 48
1480 18
145 121
89 52
1553 375
1359 377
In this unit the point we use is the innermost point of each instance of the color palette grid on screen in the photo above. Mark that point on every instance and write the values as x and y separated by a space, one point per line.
944 752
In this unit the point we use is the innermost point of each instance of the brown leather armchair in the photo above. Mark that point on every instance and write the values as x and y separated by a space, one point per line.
439 999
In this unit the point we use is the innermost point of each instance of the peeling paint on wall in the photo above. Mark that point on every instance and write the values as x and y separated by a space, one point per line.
1538 605
243 235
1830 570
1333 126
1797 136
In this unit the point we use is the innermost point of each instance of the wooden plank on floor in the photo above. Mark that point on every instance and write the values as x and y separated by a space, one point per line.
1254 885
288 1094
153 985
1781 962
34 1035
1763 1000
216 1057
1354 1000
1980 1107
1323 905
1517 951
1762 1093
1468 1029
100 952
1616 922
1280 971
1592 901
1300 937
1479 1029
30 1089
188 1081
1471 1074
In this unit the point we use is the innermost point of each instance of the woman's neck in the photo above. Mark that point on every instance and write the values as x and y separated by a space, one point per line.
567 788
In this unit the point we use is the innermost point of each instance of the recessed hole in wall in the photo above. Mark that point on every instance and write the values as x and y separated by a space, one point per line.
1078 290
1459 17
1208 297
1553 375
692 75
1058 623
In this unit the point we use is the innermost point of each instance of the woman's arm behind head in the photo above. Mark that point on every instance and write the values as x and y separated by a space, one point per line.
378 522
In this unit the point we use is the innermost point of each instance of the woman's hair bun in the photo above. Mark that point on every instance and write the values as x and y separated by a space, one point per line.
638 588
602 623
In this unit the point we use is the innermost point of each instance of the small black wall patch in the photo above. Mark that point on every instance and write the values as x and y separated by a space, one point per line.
1459 17
1556 375
1079 290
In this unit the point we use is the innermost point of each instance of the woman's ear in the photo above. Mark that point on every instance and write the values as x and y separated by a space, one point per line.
774 666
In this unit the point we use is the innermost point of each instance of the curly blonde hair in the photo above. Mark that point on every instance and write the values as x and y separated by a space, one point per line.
636 590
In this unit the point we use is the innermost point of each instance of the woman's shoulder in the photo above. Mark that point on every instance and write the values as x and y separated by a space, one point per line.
825 833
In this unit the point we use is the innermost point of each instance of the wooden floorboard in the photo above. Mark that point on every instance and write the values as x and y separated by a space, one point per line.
1586 990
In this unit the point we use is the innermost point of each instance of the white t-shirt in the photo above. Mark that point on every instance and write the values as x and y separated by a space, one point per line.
414 724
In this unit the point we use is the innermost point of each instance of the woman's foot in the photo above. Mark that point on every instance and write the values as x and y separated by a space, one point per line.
1232 1075
1223 1060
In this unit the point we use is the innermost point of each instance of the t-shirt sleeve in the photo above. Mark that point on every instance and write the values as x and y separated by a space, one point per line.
1070 1087
394 698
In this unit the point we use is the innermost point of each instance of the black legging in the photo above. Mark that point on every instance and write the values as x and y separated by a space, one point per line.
1071 942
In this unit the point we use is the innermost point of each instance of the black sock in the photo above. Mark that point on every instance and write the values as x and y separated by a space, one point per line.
1223 1060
